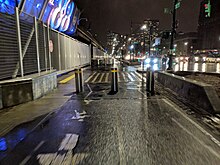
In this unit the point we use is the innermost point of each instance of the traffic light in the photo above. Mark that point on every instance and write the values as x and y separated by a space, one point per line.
207 9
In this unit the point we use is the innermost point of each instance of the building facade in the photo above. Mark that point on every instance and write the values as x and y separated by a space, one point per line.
209 25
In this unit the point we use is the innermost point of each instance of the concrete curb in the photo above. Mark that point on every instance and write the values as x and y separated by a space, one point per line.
203 95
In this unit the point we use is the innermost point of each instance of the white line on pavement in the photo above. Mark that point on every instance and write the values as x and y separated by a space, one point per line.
29 156
194 123
90 77
197 139
106 78
96 77
101 77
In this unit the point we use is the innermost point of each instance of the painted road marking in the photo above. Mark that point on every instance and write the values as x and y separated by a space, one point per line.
125 78
67 79
197 139
130 77
29 156
60 158
100 80
135 76
96 77
90 77
194 123
106 78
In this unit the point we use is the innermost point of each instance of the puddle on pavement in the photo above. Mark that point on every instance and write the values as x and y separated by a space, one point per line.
15 136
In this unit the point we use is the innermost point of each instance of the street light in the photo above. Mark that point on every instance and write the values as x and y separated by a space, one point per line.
144 27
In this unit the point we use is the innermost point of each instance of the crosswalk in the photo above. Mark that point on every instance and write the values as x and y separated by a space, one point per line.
100 77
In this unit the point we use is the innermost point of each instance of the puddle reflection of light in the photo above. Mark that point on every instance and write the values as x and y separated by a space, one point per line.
155 67
176 68
217 68
3 144
181 66
203 67
185 66
196 67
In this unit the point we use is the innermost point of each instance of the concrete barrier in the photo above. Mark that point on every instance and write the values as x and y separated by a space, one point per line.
17 91
201 94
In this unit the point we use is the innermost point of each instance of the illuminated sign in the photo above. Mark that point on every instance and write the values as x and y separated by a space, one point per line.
207 9
7 6
61 15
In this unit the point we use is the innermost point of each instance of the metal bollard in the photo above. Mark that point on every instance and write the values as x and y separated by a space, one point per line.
114 83
79 80
150 82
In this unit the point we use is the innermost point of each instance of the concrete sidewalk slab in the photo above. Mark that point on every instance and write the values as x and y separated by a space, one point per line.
17 115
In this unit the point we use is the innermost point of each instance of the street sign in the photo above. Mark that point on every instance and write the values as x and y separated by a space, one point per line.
177 5
166 11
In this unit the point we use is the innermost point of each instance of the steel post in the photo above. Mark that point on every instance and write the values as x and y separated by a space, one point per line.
19 43
79 80
49 53
114 81
45 47
37 45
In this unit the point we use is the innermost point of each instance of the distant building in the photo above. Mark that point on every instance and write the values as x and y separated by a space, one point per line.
209 25
185 43
116 43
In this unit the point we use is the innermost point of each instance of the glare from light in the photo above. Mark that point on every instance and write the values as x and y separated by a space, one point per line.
181 66
147 60
155 67
203 67
196 59
175 45
144 27
218 68
185 66
196 67
127 57
115 39
204 59
129 39
186 43
177 59
155 60
132 47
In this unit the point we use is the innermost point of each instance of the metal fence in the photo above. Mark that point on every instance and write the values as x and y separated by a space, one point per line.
25 48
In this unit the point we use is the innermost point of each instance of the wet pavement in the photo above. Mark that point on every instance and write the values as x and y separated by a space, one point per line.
125 128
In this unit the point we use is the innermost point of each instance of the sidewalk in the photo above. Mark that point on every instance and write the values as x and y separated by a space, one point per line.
17 115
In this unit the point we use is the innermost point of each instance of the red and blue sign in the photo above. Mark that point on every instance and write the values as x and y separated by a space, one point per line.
61 15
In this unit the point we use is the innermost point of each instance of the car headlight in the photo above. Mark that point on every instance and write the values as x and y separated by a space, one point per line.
155 60
147 60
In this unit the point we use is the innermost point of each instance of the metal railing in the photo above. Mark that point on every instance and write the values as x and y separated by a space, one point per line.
25 49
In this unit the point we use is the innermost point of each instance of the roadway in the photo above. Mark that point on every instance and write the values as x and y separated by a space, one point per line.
127 128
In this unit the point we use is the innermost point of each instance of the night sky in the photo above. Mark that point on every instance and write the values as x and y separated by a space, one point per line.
116 15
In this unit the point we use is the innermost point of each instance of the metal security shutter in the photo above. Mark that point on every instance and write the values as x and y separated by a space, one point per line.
8 46
41 46
30 57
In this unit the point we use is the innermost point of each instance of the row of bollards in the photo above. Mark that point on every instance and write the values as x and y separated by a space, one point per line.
114 81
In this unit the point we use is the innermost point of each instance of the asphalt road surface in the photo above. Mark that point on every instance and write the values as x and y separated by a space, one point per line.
127 128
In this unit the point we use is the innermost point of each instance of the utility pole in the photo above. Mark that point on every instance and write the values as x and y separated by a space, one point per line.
149 39
172 35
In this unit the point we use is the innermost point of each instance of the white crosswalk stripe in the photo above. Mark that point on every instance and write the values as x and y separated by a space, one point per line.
106 78
97 75
130 77
122 77
103 74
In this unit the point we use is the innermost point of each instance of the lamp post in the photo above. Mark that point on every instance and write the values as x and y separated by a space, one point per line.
172 35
